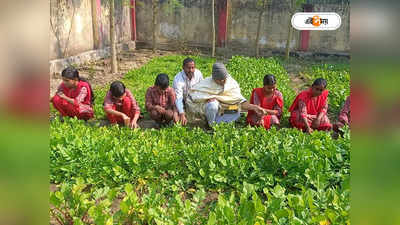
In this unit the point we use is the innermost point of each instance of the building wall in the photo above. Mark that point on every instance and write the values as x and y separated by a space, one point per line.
338 40
192 24
71 30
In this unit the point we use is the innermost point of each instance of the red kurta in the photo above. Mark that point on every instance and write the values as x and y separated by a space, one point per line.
127 105
274 102
82 106
306 106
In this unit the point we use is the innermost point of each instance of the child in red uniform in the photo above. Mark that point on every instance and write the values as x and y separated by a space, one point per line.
120 106
74 97
309 109
271 100
344 116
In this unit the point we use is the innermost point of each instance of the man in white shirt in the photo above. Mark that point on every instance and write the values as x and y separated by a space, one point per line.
183 82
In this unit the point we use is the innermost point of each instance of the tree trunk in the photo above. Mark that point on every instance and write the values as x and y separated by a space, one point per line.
257 47
154 10
213 28
292 8
229 23
114 63
95 26
290 31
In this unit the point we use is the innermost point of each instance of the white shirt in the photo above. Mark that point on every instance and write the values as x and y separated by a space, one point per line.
182 85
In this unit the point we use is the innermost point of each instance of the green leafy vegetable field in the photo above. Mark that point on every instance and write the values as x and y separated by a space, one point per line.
179 175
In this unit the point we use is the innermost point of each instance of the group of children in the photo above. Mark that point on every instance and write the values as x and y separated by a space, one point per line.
308 111
164 104
74 98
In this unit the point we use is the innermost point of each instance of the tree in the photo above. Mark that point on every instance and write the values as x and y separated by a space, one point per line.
154 22
293 6
114 62
261 6
213 27
95 25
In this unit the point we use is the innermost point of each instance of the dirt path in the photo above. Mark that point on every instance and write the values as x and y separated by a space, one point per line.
295 70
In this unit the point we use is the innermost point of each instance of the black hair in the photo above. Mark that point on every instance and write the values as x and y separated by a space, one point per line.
72 73
162 80
320 81
269 79
117 89
187 60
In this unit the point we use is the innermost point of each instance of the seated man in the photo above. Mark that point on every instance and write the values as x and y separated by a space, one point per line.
160 101
218 98
183 82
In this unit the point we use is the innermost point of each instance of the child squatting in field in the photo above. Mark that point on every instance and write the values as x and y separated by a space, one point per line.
74 96
120 106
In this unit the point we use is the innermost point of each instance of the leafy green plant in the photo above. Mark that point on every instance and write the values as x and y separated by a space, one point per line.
71 204
180 175
177 159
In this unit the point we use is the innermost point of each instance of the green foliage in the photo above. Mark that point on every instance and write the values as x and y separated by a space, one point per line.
180 175
285 164
262 4
72 205
172 6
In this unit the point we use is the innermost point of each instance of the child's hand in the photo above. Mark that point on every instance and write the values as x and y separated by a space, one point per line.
182 119
316 123
309 130
124 116
159 109
274 112
134 125
126 119
61 94
259 111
